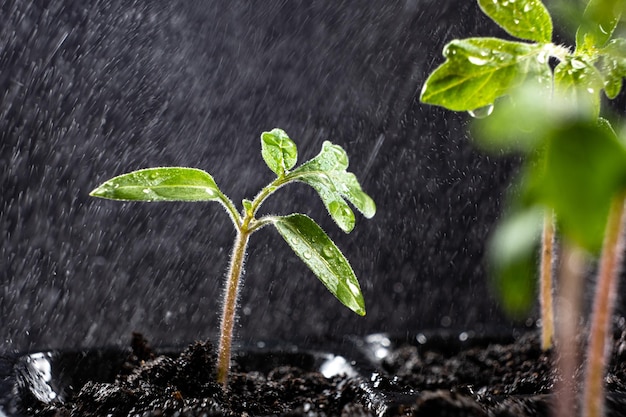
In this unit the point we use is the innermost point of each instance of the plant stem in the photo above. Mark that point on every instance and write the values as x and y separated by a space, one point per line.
599 347
545 293
568 314
230 305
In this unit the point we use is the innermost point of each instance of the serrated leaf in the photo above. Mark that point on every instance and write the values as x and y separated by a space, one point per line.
322 256
479 70
327 174
279 152
581 168
525 19
599 21
160 184
613 66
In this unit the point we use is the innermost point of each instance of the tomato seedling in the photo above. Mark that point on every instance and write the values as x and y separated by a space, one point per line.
326 173
575 167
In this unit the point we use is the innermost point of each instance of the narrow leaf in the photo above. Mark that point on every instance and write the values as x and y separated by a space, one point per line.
322 256
279 152
327 174
525 19
160 184
479 70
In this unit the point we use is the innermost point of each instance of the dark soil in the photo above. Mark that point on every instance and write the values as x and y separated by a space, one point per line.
152 386
488 379
424 376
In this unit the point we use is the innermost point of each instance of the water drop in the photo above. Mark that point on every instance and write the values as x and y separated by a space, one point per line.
353 288
481 112
306 254
477 60
328 251
146 191
210 192
590 90
542 58
577 64
527 7
516 21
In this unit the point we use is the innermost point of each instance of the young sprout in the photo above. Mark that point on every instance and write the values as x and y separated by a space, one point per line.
575 169
326 173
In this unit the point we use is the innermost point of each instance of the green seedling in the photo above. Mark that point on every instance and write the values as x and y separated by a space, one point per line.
574 172
326 173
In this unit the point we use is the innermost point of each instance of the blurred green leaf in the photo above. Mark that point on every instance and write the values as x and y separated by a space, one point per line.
525 19
578 79
322 256
161 184
599 21
327 174
513 259
578 172
522 121
279 152
479 70
613 66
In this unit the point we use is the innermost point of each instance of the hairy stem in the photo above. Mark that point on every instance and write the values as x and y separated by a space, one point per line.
545 293
229 308
599 347
567 328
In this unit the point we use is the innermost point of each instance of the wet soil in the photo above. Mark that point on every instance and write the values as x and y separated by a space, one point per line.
455 375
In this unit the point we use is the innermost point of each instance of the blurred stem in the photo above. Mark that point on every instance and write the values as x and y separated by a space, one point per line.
229 307
545 294
599 346
567 329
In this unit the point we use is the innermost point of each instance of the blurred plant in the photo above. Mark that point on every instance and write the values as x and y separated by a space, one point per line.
575 165
326 173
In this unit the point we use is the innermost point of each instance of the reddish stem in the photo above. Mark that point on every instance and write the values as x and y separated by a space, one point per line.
545 293
599 347
567 329
229 308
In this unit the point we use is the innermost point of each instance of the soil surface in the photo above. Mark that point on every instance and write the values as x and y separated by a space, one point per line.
415 378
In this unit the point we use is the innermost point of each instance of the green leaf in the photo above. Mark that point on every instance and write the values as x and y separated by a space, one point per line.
524 120
322 256
279 152
327 174
579 80
525 19
613 66
599 21
578 172
512 258
479 70
161 184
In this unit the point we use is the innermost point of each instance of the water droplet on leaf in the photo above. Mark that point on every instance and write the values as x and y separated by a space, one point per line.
477 60
481 112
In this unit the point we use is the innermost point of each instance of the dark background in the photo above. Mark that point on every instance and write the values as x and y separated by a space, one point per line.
89 90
